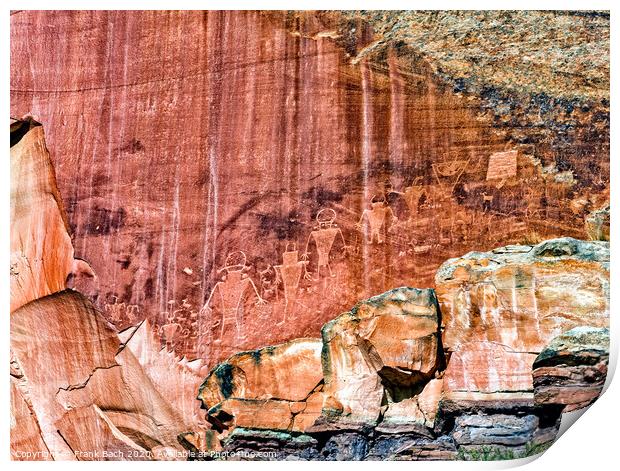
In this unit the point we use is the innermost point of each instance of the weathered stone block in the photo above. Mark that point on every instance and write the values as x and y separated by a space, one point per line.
387 346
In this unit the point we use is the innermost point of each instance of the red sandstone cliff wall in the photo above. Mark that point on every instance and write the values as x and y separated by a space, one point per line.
181 137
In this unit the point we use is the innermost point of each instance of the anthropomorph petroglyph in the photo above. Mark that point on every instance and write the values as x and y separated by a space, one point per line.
376 217
290 272
171 330
415 197
324 235
231 291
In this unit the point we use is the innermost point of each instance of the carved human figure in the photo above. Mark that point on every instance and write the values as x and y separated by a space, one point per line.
170 330
290 274
396 200
324 235
415 196
487 200
230 292
462 306
376 216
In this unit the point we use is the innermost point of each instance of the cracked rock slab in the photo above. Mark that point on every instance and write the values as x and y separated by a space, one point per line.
524 298
87 393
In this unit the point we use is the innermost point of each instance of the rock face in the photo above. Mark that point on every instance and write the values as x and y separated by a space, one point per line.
277 387
26 439
501 308
523 296
77 392
210 196
89 396
390 389
597 224
41 250
571 370
177 380
284 133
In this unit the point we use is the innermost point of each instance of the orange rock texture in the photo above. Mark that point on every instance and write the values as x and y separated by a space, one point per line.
188 187
392 389
281 166
41 250
77 392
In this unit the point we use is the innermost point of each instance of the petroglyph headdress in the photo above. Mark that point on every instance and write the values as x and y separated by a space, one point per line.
326 216
236 261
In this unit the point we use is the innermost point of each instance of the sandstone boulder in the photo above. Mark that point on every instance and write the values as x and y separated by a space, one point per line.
571 370
176 379
486 371
26 441
500 309
384 350
597 223
276 387
414 414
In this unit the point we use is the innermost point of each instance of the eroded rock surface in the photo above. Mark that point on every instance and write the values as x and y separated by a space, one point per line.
523 296
41 250
597 223
77 392
571 370
392 390
366 114
260 220
277 388
87 392
384 350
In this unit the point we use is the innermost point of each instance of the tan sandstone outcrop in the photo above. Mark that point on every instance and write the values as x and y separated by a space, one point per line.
572 369
77 392
87 392
501 308
41 250
26 440
598 222
382 351
175 379
393 390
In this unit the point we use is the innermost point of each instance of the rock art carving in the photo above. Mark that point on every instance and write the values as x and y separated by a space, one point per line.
290 273
124 222
378 217
392 388
324 234
229 294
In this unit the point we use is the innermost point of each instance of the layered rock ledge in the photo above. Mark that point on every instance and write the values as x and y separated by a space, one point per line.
480 368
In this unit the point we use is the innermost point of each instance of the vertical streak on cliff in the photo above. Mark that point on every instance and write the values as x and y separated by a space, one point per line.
110 99
217 36
430 123
306 131
366 159
293 100
115 239
207 239
284 114
396 113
